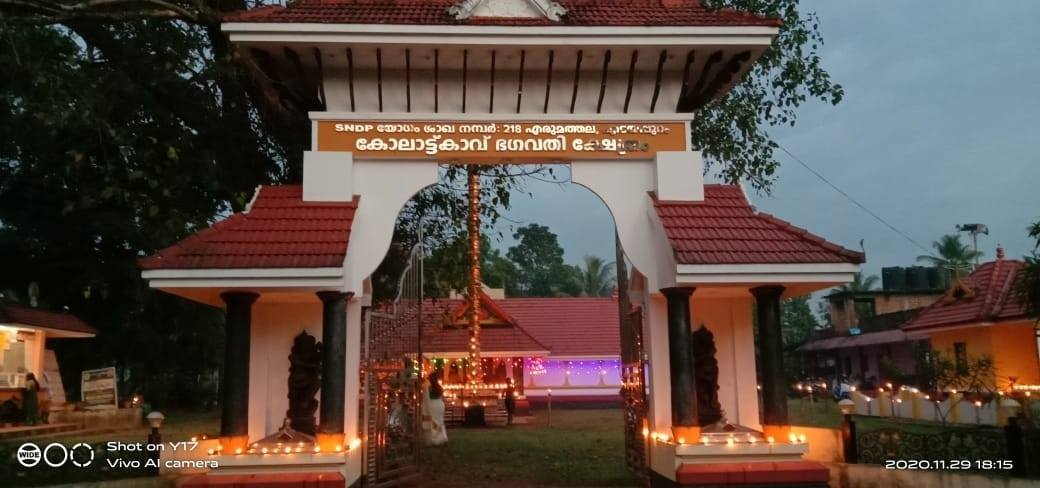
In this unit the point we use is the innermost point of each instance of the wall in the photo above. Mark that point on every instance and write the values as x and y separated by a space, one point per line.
274 327
1012 346
589 377
843 314
730 320
900 354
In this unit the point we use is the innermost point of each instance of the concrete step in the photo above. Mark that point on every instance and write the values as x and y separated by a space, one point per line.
34 431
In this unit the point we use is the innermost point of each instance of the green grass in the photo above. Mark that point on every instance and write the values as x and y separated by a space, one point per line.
178 426
582 448
825 414
821 413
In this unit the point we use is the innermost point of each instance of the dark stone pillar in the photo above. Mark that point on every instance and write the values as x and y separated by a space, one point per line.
680 360
234 383
334 362
770 352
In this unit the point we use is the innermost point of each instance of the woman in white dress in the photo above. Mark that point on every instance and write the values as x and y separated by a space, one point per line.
433 411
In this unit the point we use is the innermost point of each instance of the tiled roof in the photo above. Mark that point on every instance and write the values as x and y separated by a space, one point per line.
987 295
726 229
859 340
440 339
14 314
570 326
278 230
431 12
565 327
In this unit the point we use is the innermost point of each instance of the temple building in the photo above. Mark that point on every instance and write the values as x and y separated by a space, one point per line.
567 346
396 90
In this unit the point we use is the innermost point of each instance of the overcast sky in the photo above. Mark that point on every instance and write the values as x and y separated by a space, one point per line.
938 127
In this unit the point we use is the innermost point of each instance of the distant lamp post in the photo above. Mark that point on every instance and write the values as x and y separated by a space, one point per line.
1013 434
155 420
848 431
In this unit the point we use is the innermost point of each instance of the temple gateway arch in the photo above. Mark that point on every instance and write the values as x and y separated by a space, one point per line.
397 89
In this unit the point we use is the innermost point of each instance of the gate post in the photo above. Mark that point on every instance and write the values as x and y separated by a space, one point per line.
685 421
234 382
334 369
774 383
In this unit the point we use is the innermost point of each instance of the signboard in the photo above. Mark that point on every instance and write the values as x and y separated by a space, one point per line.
98 387
501 142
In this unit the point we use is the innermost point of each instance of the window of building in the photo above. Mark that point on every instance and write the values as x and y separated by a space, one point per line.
865 307
960 356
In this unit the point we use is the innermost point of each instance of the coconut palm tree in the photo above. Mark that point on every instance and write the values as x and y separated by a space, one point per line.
597 277
859 283
951 254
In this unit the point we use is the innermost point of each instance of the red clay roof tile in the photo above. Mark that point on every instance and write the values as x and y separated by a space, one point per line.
990 297
14 314
432 12
279 230
726 229
565 327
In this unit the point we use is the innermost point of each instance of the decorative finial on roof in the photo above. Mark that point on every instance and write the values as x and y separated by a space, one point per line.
463 9
549 9
1000 252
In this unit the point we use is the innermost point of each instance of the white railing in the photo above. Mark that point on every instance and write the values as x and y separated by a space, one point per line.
909 403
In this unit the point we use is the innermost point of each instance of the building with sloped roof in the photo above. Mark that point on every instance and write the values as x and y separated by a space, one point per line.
981 315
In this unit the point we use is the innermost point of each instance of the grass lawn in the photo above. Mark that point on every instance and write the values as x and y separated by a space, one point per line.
178 426
821 413
582 448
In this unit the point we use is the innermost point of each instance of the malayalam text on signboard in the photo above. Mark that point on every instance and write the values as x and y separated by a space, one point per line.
495 142
99 388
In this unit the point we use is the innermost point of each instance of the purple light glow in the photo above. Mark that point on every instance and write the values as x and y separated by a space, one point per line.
583 372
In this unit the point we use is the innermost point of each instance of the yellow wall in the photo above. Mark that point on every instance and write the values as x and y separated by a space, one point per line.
1012 346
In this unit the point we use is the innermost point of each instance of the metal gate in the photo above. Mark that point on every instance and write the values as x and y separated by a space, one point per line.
392 381
633 392
633 375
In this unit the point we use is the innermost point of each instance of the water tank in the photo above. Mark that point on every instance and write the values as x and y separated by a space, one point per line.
935 280
917 278
893 278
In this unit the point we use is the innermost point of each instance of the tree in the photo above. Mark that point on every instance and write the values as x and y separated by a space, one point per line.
1028 286
541 271
859 283
447 267
797 323
597 277
95 172
951 254
732 131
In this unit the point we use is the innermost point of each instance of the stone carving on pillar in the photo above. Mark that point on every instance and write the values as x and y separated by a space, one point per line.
706 373
304 383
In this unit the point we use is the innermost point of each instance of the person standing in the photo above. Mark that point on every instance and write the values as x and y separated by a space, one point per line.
30 400
437 434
